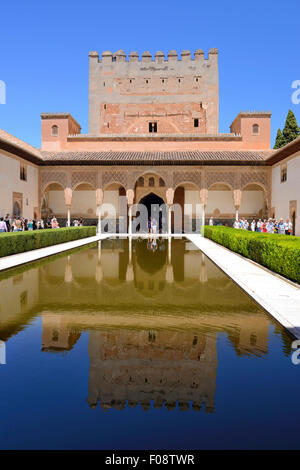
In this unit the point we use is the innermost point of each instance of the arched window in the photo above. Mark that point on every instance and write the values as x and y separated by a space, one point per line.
255 129
151 182
161 182
54 131
141 182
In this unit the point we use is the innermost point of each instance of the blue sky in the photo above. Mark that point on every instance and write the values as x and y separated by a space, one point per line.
44 52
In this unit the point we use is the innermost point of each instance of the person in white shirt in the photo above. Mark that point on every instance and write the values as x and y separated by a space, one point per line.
3 226
253 225
211 221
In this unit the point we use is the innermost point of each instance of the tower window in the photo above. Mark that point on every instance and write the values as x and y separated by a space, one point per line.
104 106
201 105
152 126
196 122
54 131
255 129
151 182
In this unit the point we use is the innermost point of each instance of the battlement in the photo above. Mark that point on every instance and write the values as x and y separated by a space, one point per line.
171 92
109 57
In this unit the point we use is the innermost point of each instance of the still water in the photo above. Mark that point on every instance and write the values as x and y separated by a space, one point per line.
140 345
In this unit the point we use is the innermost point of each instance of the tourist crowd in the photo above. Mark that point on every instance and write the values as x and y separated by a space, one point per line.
263 225
20 224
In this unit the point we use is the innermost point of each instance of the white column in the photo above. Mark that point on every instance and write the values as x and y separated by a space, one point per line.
99 219
237 213
169 221
203 219
130 220
69 216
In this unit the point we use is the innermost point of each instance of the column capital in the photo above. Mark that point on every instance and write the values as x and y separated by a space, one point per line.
203 196
99 196
170 196
237 198
130 196
68 196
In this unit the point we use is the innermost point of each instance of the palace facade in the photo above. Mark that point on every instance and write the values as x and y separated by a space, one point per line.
153 138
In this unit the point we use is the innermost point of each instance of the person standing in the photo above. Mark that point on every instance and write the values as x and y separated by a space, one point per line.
281 227
8 222
287 227
3 226
154 225
18 225
253 225
211 221
258 225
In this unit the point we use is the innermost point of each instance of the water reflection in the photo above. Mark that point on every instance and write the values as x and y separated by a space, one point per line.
153 318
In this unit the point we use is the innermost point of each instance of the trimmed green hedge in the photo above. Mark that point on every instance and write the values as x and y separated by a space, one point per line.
280 253
18 242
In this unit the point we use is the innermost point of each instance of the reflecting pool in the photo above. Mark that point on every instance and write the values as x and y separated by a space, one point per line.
141 344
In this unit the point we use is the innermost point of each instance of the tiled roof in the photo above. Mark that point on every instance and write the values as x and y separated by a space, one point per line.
284 152
176 157
9 141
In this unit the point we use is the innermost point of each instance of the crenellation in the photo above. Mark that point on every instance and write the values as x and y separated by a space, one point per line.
133 57
107 57
159 57
172 55
199 54
186 55
121 85
146 57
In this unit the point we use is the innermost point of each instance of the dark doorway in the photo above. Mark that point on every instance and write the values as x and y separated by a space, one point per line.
154 200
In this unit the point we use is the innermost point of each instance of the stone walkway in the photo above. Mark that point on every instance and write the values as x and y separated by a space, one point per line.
15 260
278 297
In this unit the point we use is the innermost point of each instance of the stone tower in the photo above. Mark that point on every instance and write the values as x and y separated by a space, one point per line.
165 95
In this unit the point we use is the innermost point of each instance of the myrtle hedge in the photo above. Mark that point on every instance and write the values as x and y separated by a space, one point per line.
19 242
280 253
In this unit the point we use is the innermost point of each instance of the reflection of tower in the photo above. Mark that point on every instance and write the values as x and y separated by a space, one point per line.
57 334
163 366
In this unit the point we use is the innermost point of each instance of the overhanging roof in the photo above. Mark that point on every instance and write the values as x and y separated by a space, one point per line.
284 152
158 158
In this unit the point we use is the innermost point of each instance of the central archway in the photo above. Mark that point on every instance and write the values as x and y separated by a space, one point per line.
150 200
